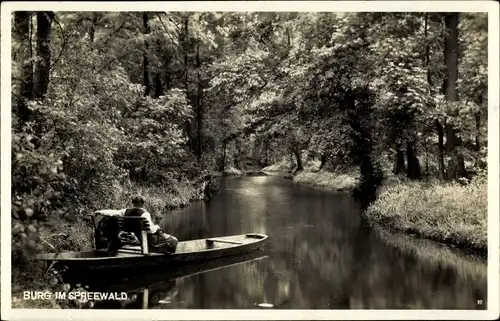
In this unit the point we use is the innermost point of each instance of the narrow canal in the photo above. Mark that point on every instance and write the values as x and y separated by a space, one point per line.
320 255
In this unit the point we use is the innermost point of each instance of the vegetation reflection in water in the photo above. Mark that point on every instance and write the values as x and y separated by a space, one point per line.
321 255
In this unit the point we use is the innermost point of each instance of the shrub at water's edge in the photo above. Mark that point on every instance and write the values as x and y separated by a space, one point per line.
281 166
449 213
339 180
232 171
335 181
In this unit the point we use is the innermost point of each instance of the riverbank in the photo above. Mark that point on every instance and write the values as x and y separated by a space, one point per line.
76 235
233 171
312 175
340 182
449 213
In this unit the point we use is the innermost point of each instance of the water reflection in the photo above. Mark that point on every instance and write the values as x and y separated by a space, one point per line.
320 256
167 289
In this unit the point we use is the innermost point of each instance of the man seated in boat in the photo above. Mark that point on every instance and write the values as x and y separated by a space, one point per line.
156 236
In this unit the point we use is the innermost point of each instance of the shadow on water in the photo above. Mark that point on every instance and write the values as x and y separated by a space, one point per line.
320 256
158 288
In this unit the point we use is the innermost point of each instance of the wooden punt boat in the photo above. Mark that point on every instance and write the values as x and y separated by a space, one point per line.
135 256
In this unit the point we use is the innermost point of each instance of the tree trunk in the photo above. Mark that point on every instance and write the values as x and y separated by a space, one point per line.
324 159
43 34
224 155
451 56
166 67
399 160
362 152
414 171
167 76
477 119
426 156
22 32
456 167
427 53
266 154
147 84
185 36
199 111
158 84
440 132
298 158
236 162
437 124
95 19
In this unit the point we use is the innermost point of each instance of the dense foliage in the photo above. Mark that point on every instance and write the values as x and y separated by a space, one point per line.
108 99
361 88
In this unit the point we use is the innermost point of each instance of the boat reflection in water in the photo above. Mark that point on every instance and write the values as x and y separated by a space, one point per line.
154 289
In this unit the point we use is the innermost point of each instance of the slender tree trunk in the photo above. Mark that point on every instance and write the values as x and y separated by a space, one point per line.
414 171
451 56
288 40
185 47
437 124
22 31
426 157
427 53
167 77
440 132
477 119
199 107
324 158
95 19
224 144
456 167
158 84
166 66
298 158
147 84
266 155
44 30
236 162
399 160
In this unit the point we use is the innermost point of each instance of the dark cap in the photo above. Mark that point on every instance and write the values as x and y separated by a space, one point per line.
137 200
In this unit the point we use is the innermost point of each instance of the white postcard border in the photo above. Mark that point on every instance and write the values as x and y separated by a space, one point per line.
491 7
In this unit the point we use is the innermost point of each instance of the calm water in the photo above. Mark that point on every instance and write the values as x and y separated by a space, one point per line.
319 255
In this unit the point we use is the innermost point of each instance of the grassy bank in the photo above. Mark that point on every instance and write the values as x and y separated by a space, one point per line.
341 180
281 166
232 171
450 213
75 234
331 180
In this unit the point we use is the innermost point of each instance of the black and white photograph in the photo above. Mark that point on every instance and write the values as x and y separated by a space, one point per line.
271 162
